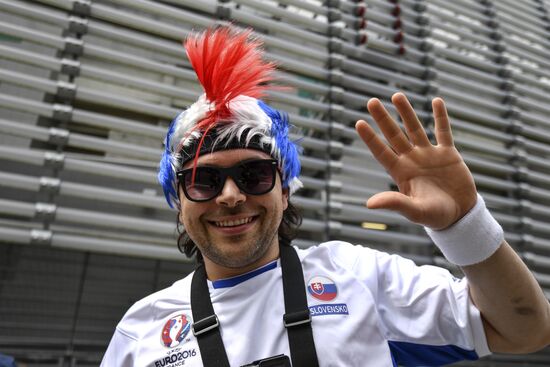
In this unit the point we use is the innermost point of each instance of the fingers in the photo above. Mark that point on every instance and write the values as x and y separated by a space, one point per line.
414 128
395 201
395 137
443 133
381 152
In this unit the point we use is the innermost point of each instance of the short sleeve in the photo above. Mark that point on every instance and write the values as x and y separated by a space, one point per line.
120 352
425 312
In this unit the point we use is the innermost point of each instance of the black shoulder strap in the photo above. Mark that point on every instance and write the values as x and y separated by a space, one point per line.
297 318
206 327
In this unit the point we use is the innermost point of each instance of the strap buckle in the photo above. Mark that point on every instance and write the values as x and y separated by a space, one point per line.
297 318
280 360
204 325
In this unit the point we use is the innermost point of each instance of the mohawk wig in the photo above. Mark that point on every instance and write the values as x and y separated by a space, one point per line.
229 115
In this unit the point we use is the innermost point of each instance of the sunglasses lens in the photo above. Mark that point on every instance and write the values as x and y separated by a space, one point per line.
206 186
257 178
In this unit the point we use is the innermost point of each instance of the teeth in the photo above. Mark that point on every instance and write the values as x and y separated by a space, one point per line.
232 223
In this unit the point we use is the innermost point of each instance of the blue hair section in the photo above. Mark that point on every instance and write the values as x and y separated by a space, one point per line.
288 150
166 175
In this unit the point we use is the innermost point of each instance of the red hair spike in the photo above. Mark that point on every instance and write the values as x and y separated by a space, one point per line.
228 63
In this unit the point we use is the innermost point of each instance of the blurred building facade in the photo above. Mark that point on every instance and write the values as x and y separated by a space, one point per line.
88 88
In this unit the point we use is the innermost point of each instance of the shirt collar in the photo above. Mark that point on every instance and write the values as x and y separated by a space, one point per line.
233 281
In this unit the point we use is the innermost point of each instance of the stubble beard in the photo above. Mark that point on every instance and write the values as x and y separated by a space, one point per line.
250 251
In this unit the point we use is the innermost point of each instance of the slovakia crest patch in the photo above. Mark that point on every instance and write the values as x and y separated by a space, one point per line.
175 330
322 288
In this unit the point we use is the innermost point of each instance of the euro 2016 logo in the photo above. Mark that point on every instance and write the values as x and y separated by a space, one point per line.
175 330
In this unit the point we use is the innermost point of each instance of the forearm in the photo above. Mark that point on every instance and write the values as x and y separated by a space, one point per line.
515 312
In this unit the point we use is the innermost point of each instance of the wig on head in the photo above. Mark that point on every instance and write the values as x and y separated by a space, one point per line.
229 114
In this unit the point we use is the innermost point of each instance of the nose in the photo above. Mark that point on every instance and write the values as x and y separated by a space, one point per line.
230 196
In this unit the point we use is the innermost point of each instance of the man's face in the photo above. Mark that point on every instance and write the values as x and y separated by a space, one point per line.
234 230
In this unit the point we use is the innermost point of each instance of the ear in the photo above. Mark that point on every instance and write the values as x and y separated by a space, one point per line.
180 217
180 208
284 198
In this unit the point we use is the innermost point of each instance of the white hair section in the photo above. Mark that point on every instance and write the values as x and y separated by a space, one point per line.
294 185
246 116
186 121
275 151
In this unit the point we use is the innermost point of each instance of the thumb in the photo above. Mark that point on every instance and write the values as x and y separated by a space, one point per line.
394 201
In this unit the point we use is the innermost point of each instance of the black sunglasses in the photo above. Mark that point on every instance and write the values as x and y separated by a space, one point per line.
255 177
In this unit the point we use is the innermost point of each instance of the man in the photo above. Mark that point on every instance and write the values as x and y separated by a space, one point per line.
230 169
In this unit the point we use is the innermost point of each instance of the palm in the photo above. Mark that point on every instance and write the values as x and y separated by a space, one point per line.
435 186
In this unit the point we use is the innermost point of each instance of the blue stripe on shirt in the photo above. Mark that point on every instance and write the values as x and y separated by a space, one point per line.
414 355
231 282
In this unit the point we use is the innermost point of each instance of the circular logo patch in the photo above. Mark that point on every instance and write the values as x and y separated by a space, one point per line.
322 288
175 330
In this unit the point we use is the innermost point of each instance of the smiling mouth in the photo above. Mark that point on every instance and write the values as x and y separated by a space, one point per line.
233 223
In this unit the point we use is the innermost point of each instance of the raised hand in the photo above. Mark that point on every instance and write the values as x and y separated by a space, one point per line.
436 187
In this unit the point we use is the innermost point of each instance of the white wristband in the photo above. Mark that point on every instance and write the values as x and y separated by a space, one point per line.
472 239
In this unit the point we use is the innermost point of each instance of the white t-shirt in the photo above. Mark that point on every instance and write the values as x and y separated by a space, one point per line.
368 308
